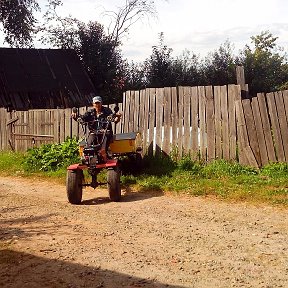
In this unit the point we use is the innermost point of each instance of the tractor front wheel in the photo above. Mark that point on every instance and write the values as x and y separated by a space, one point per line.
113 184
74 187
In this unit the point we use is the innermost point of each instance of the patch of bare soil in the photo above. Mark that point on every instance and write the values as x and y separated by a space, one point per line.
146 240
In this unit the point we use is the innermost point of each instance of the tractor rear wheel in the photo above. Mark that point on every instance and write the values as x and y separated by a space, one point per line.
74 186
113 184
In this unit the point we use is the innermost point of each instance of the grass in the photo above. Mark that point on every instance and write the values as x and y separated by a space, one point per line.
222 179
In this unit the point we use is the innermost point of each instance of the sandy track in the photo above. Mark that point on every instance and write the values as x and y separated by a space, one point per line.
147 240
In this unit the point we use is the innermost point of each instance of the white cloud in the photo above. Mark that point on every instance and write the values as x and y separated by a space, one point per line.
199 26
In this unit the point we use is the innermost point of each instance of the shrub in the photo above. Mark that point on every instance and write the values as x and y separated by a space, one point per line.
51 157
275 170
219 168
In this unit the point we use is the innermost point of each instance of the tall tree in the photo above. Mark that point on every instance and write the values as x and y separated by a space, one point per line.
127 15
265 67
186 69
219 66
18 21
159 65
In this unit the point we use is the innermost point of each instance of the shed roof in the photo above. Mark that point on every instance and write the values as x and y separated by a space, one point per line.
43 78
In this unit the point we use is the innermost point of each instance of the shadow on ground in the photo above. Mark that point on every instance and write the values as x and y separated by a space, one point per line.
127 196
18 269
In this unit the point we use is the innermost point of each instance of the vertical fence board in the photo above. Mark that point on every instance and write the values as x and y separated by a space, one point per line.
259 131
62 124
238 98
232 90
167 120
174 116
120 124
125 111
275 127
202 121
74 126
4 136
248 155
224 118
251 129
131 112
141 111
194 123
151 92
266 127
67 114
210 116
17 129
136 111
285 99
159 119
128 111
218 122
280 106
180 120
186 118
1 129
146 121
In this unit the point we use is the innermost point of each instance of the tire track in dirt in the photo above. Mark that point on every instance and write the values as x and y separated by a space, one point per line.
146 240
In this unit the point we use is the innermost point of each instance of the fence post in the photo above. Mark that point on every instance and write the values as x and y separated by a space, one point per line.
240 76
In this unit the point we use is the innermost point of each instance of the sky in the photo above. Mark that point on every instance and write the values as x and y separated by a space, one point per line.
199 26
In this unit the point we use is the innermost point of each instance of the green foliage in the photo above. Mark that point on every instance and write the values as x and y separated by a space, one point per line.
18 21
275 170
222 179
10 162
219 67
158 165
187 164
265 66
51 157
222 168
159 66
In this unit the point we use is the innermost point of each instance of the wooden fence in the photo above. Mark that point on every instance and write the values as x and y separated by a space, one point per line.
20 130
205 122
210 123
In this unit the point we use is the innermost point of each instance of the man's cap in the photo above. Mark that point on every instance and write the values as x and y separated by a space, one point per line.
97 99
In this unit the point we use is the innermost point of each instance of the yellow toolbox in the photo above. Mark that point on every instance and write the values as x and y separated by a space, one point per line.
125 143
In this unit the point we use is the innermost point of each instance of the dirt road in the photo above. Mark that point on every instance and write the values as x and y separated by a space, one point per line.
147 240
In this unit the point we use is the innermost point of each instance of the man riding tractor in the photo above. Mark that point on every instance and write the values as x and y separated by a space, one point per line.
95 117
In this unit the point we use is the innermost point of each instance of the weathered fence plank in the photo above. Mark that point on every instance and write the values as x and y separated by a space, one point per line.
259 131
218 122
152 110
251 129
141 117
186 119
174 116
194 123
159 119
232 90
202 121
266 127
132 111
210 118
224 117
145 102
246 155
180 121
276 127
167 120
126 111
282 121
136 111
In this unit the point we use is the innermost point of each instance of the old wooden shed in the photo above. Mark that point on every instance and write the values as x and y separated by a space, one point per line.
43 79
